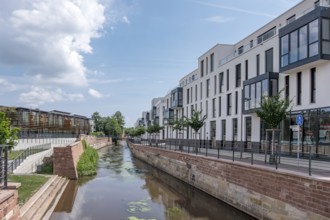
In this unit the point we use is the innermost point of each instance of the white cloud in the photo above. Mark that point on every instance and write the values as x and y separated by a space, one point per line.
39 96
125 20
95 93
6 86
48 38
219 19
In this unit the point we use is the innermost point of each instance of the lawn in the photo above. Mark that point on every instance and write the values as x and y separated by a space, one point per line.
29 185
13 154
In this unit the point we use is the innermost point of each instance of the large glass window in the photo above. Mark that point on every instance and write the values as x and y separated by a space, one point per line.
303 42
285 50
207 88
221 82
265 87
325 36
258 94
247 97
313 38
293 46
238 75
253 95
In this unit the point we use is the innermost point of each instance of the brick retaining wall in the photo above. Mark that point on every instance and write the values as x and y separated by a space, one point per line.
65 159
9 208
259 191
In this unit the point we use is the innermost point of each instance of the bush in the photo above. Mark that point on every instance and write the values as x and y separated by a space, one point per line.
87 164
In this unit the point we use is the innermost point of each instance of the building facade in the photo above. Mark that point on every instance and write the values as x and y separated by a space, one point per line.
36 123
290 53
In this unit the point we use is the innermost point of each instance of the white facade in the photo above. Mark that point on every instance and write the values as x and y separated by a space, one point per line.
280 55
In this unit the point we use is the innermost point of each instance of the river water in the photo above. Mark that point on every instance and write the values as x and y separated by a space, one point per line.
126 188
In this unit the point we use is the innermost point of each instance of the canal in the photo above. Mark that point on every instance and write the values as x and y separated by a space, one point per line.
129 189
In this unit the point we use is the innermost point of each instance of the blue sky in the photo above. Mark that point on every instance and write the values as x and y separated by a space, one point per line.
113 55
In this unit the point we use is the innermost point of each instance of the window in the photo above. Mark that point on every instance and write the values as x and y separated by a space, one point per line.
238 75
325 36
234 129
202 68
215 84
290 19
213 108
223 129
207 88
191 94
227 79
212 62
207 65
219 106
287 87
313 37
313 88
251 43
247 97
317 3
229 104
236 102
188 96
196 92
201 93
285 50
246 69
269 60
207 108
303 41
293 46
258 64
240 50
265 36
299 88
220 82
258 94
248 128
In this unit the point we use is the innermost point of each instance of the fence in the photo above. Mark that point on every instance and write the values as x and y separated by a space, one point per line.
3 166
255 153
13 164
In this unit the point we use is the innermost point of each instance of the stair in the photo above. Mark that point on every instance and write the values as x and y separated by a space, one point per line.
42 203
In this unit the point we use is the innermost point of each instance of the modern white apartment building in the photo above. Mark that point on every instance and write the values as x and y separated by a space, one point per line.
290 53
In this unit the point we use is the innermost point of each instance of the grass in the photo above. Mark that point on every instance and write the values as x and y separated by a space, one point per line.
29 185
13 154
87 164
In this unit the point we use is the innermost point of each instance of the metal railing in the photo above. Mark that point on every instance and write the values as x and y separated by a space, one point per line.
13 164
4 166
254 153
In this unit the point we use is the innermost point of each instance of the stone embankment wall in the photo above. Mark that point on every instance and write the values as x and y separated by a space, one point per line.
259 191
9 208
65 159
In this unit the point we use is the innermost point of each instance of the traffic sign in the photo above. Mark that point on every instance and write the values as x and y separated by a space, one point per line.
299 120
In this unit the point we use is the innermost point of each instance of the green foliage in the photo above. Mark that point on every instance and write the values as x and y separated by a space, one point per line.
110 126
8 135
98 120
153 129
87 164
98 134
47 169
180 124
135 132
84 143
273 109
196 121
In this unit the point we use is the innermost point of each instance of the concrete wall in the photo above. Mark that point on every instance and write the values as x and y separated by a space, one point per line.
55 142
9 209
259 191
65 159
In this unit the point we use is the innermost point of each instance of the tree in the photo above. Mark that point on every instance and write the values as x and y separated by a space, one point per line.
196 121
180 124
8 135
120 118
98 120
273 111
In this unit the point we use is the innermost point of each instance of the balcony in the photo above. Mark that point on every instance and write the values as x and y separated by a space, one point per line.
306 39
168 116
257 87
177 98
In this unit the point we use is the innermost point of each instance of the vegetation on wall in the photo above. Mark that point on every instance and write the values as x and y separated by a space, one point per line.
87 164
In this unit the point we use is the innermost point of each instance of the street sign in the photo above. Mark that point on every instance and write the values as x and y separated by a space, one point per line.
295 127
299 120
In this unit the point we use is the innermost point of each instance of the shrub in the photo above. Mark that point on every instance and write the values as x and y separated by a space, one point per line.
87 164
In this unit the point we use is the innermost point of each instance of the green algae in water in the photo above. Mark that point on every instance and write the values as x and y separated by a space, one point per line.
135 218
139 206
174 212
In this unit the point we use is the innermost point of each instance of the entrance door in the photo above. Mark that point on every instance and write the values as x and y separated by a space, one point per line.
213 130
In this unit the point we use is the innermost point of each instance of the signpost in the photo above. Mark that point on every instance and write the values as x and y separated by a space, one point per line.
300 122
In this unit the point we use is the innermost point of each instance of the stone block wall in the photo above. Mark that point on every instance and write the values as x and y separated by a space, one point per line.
9 208
260 191
65 159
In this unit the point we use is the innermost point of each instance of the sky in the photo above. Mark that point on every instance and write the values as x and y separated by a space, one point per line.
86 56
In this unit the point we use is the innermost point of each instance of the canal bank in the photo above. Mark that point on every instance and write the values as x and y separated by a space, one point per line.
128 188
256 190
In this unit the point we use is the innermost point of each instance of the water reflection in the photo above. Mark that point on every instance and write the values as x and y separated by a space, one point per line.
126 188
